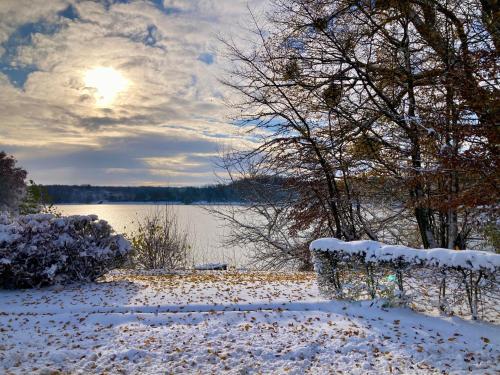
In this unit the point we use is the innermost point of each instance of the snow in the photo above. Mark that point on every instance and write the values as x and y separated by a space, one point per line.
51 271
375 251
228 322
43 249
8 229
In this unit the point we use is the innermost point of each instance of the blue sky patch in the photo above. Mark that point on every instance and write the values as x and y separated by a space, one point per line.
167 10
207 58
22 36
150 39
70 12
17 76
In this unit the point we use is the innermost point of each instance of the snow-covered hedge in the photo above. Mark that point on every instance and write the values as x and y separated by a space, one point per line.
376 252
339 264
42 249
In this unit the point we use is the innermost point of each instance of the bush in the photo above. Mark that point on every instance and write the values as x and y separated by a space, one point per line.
388 271
42 249
159 242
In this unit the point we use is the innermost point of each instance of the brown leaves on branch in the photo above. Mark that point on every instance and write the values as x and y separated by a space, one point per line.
386 104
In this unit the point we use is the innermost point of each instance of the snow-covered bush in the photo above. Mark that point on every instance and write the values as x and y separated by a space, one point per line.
42 249
385 270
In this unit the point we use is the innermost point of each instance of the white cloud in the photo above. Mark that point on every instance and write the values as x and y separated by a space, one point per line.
14 13
173 94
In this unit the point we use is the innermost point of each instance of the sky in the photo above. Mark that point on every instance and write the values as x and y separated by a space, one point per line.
118 92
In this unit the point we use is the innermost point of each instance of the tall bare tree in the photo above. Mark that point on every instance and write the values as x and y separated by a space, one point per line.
393 101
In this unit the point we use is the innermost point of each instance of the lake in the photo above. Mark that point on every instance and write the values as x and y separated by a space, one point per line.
206 232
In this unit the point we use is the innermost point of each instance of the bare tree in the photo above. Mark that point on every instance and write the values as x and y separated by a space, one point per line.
159 242
351 94
261 224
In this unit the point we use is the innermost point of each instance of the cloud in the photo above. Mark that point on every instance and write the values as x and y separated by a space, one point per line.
117 160
173 110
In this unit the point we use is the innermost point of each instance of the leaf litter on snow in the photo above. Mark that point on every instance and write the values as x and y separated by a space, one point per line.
234 322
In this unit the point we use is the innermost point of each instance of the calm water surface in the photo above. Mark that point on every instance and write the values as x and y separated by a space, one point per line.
206 232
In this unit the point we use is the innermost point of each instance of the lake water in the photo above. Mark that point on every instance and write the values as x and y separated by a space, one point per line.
207 232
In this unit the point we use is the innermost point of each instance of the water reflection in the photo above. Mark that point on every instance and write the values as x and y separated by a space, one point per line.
207 232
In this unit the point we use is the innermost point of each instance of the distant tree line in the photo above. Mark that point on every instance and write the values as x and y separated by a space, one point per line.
95 194
20 196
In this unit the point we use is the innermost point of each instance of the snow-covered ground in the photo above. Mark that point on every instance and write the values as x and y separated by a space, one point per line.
242 323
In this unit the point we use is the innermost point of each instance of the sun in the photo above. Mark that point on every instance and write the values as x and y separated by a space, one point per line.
106 84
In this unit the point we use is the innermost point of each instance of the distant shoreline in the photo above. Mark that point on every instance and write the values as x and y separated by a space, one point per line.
173 203
86 194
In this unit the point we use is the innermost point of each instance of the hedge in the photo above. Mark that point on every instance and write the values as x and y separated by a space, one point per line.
369 268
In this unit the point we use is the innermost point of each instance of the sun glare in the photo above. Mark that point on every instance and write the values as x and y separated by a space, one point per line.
107 83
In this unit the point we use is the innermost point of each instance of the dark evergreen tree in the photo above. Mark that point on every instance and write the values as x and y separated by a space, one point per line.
12 183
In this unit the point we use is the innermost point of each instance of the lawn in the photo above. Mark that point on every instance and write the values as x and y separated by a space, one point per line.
242 323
